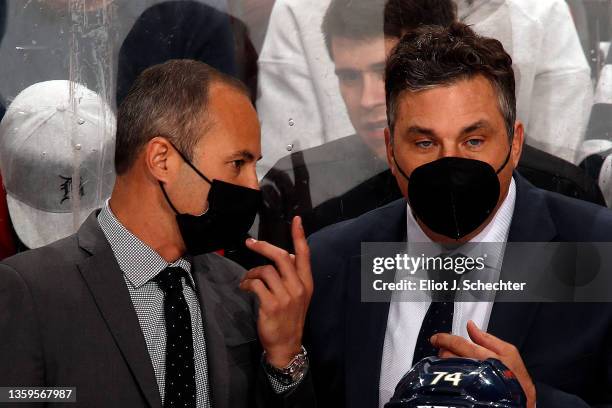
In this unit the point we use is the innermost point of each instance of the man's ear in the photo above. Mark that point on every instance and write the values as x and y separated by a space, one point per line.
160 159
517 143
389 147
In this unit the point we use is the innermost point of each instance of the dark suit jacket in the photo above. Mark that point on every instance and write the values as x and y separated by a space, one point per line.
567 348
66 319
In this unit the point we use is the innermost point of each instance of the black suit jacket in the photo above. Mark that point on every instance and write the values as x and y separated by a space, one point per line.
66 319
567 348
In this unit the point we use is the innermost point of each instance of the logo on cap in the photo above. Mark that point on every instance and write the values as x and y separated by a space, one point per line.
66 188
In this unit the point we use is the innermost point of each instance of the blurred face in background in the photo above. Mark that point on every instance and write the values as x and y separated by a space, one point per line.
360 66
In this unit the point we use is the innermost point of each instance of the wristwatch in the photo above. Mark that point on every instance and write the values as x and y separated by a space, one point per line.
292 372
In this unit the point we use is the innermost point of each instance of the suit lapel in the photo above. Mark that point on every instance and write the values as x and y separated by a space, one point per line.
107 286
216 352
365 335
366 322
531 222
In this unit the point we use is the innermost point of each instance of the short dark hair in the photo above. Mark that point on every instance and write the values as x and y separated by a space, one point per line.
434 56
368 19
402 16
169 100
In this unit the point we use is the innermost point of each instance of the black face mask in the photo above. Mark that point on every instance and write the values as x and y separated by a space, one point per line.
225 224
453 196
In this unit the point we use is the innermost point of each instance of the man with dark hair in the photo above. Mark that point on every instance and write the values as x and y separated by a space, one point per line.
349 176
136 309
452 129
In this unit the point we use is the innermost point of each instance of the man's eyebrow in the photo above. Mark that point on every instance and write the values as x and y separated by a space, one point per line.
481 124
339 71
420 131
378 66
243 154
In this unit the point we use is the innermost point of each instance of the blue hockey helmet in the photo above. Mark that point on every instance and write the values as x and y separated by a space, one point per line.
458 383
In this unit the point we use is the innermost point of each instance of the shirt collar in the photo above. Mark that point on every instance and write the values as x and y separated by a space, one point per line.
138 261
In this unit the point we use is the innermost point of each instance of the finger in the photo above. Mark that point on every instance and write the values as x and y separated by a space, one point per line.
302 252
279 256
486 340
270 277
443 353
460 346
260 290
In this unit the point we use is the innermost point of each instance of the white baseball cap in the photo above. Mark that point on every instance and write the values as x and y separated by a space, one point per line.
57 145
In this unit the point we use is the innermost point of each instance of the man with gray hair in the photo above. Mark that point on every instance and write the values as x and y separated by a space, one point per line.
136 309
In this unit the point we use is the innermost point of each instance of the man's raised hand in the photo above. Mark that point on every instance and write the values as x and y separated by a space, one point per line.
284 291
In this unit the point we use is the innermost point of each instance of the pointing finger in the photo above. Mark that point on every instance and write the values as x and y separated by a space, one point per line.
302 253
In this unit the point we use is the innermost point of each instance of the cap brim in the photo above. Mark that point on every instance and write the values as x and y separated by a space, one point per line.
36 228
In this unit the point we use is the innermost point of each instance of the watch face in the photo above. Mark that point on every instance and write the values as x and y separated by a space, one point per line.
291 373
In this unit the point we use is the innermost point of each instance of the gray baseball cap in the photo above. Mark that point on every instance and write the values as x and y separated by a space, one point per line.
57 144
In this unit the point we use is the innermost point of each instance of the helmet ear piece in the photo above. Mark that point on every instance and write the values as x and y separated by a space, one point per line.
458 382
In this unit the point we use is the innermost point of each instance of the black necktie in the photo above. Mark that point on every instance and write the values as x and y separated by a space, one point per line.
180 385
438 319
439 316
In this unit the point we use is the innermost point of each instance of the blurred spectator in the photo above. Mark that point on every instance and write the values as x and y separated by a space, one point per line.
554 90
596 155
553 77
256 15
347 177
186 30
593 20
299 103
56 159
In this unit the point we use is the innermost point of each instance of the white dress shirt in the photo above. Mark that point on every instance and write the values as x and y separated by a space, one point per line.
405 318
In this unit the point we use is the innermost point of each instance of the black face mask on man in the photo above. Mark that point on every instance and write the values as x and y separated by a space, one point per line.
225 224
453 196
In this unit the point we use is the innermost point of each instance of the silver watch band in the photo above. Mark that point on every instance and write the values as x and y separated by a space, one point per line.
292 372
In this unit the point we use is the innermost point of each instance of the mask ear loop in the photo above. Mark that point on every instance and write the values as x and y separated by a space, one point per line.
402 172
161 185
505 161
189 163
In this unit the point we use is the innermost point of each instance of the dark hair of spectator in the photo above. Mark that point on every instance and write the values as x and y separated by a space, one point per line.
368 19
168 100
402 16
434 56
